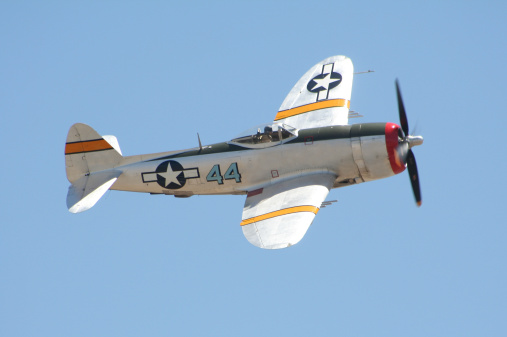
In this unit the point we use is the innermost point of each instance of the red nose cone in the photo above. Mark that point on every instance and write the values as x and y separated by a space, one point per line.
397 163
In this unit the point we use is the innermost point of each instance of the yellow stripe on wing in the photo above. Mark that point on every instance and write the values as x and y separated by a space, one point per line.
332 103
291 210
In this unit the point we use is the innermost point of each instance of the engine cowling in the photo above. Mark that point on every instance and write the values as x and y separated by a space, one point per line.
393 134
375 148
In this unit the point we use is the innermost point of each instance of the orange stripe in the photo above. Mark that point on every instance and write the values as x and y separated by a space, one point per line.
312 209
332 103
87 146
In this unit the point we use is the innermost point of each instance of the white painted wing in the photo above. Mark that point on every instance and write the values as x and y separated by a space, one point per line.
321 97
279 215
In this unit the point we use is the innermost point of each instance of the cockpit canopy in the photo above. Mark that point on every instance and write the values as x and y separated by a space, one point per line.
265 135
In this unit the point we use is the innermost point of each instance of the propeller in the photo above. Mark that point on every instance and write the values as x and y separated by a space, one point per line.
405 144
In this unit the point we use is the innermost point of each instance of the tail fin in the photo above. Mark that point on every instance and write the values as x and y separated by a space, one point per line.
90 160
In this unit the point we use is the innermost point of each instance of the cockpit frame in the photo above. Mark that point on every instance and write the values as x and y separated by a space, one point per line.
265 135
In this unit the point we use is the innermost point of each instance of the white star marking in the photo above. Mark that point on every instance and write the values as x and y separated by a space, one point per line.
170 176
324 82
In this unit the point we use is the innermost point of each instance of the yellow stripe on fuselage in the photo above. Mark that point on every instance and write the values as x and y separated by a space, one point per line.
332 103
291 210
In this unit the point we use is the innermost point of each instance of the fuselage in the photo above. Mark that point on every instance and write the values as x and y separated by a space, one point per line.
352 153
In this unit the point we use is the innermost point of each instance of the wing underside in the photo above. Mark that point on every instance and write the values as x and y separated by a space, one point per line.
278 216
321 97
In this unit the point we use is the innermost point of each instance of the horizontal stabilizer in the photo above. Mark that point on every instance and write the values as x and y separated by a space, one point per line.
86 191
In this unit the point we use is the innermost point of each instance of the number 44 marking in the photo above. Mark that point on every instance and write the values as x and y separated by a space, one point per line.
231 173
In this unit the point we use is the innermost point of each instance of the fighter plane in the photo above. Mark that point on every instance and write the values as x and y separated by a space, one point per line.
285 168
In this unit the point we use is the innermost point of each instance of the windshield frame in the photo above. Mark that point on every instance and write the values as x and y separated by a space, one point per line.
274 134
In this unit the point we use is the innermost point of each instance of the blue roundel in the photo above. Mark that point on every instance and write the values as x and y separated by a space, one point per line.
325 81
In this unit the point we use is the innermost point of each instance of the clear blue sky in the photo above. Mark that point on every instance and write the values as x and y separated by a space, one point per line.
156 73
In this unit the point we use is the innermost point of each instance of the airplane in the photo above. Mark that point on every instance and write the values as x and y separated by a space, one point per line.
285 168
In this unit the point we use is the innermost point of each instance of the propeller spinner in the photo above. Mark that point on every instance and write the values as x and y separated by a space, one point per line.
405 144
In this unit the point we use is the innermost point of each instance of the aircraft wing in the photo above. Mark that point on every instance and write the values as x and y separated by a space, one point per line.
278 215
321 97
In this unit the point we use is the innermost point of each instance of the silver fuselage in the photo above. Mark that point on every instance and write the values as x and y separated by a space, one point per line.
352 153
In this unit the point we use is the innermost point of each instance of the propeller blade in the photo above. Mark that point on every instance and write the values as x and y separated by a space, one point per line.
414 177
401 109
